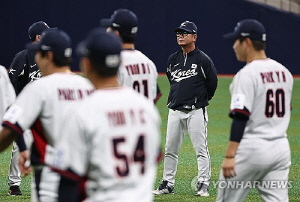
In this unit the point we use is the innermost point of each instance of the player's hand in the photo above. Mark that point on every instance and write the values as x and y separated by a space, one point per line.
24 163
228 167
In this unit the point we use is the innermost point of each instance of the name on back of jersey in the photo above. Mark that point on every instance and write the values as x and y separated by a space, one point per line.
72 94
134 69
268 77
119 118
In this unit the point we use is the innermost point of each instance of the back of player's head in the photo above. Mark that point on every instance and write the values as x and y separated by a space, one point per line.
59 43
126 22
103 49
249 28
36 29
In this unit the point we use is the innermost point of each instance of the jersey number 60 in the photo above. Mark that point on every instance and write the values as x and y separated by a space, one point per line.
277 105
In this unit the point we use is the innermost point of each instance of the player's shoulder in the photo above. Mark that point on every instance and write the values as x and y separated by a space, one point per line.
21 53
3 70
203 56
174 56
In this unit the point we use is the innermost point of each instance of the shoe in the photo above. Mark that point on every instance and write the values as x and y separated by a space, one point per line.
164 189
14 190
202 190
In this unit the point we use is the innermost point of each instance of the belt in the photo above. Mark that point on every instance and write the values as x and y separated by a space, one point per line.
188 108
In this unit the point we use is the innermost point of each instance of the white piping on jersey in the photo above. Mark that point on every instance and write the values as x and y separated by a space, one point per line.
185 57
203 73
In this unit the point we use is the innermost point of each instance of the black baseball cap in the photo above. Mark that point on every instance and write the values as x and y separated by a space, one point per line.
56 41
248 28
187 26
123 20
102 47
36 29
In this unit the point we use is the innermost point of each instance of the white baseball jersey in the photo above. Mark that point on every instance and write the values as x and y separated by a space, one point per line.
42 105
113 138
263 90
7 92
137 71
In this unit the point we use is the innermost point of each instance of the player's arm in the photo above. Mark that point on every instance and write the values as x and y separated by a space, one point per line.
237 130
211 78
16 69
6 138
158 94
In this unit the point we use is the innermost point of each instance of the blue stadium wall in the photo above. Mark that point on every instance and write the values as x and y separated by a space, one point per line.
157 19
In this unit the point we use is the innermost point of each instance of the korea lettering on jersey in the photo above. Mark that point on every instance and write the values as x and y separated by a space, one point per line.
180 74
271 84
119 154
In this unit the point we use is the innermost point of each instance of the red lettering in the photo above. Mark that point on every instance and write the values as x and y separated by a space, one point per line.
283 76
278 77
116 118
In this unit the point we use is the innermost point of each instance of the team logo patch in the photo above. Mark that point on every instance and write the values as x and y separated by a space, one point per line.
13 113
237 101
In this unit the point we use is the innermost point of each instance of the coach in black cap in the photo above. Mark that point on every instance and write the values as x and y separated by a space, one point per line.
193 81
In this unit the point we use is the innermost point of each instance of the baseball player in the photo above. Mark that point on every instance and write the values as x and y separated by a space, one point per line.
258 151
22 71
136 71
113 138
41 106
7 93
193 81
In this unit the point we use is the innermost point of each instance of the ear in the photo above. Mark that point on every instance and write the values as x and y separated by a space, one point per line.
248 41
194 37
116 32
85 65
50 55
38 37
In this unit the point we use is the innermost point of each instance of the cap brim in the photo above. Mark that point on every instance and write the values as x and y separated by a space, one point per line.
106 22
230 36
182 29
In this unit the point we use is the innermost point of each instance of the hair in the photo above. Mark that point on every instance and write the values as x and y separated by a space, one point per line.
102 71
126 37
58 61
257 45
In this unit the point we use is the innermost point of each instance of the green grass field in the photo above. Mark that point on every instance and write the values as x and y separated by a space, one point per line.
218 132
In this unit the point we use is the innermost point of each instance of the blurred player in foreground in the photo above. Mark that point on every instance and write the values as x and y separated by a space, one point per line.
258 152
136 70
22 71
112 140
41 106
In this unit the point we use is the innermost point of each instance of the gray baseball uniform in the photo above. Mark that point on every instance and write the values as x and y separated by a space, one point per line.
264 88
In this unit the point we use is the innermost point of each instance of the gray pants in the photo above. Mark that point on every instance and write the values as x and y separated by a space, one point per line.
14 175
260 164
195 123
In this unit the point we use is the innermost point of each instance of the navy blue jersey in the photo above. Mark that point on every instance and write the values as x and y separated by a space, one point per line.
193 80
23 70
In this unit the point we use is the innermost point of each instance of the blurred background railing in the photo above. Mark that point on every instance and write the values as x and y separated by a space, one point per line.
292 6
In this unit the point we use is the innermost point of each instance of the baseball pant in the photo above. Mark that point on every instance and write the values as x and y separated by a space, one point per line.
44 183
195 123
14 175
260 164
